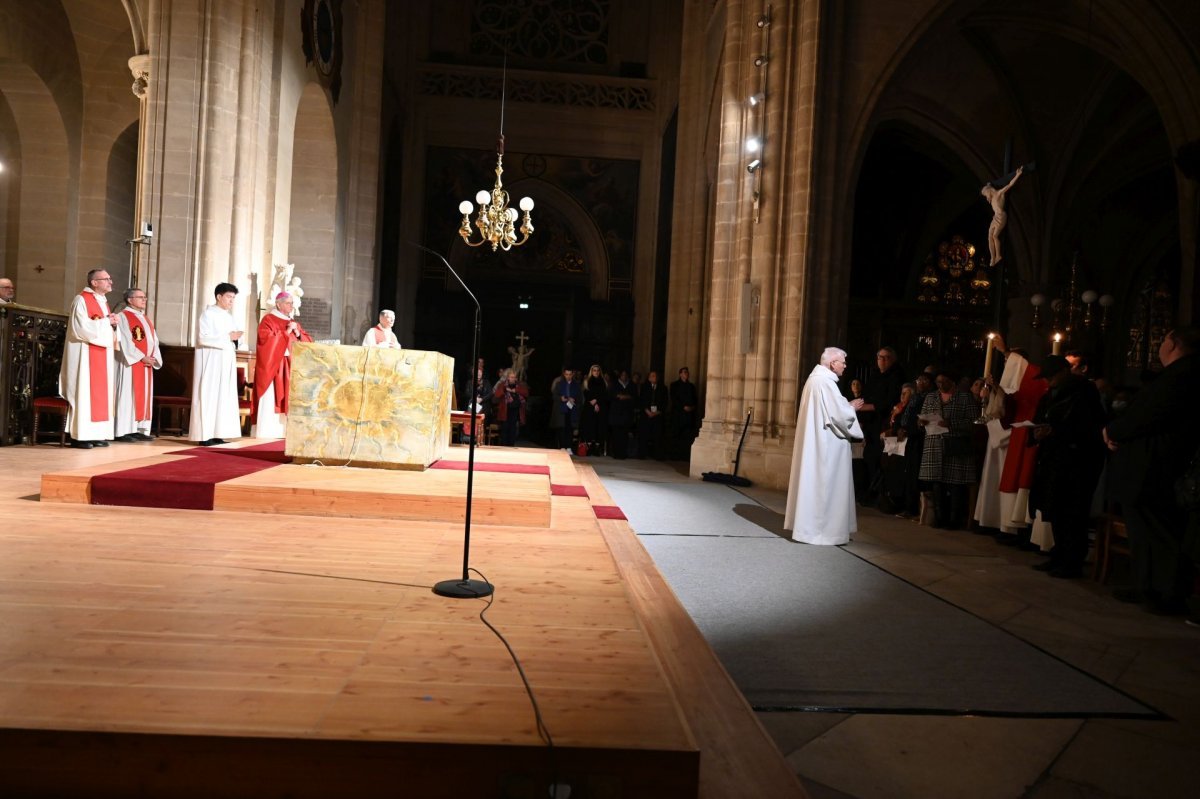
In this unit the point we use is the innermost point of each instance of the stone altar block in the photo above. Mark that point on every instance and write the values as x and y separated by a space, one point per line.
368 406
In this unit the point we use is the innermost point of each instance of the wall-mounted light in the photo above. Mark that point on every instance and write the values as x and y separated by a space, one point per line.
524 306
2 163
763 21
757 98
760 60
754 166
753 145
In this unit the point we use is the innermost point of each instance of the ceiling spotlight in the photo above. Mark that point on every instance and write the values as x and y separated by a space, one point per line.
760 61
754 166
757 98
753 145
763 21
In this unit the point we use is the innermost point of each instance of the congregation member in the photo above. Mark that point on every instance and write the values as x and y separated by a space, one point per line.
947 463
892 461
86 378
277 331
881 392
684 401
620 416
997 411
1070 454
593 417
913 434
567 397
137 357
476 397
651 405
509 399
1019 381
8 292
820 500
381 335
215 415
1153 441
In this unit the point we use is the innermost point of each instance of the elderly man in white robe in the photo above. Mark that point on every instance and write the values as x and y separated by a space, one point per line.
381 335
86 377
137 358
820 502
215 414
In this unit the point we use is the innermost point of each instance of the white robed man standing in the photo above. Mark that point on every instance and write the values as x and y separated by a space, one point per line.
86 378
820 502
215 414
381 335
137 358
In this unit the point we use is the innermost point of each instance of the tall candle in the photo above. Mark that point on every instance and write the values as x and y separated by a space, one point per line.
987 358
1056 348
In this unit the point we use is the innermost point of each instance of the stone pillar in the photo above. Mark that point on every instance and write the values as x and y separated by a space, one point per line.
760 285
139 66
205 182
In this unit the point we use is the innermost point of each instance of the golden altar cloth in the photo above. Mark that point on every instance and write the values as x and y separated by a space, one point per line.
368 406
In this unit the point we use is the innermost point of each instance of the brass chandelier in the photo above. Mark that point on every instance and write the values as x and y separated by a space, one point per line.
495 221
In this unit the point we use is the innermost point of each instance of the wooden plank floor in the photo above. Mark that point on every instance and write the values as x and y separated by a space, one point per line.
119 624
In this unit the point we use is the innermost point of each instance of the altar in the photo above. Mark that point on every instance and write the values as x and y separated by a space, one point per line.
368 406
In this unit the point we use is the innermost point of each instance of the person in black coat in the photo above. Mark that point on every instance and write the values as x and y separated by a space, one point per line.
652 407
684 400
593 419
620 416
1070 457
880 395
1153 441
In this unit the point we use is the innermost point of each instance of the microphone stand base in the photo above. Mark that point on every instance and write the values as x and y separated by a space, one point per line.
464 589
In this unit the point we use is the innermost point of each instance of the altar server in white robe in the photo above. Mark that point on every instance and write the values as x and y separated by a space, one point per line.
137 358
86 377
820 502
381 335
215 414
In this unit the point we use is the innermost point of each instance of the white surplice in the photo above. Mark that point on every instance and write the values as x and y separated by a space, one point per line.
126 357
75 377
820 502
389 338
987 503
214 379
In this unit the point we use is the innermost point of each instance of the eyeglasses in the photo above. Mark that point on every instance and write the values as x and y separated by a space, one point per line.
102 279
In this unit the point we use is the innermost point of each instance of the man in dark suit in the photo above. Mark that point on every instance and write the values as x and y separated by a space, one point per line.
683 415
651 406
1154 440
880 395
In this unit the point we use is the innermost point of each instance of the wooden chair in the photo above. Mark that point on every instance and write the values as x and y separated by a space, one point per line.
170 413
54 406
245 399
1111 538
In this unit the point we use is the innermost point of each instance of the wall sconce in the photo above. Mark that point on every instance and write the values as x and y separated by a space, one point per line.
760 60
764 20
754 166
754 99
753 144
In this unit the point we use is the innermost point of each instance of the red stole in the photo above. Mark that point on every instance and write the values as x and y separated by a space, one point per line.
379 335
97 364
143 374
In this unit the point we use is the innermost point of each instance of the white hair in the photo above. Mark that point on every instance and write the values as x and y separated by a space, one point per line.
388 314
832 354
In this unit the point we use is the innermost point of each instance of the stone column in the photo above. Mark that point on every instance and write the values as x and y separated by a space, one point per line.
139 66
205 182
760 286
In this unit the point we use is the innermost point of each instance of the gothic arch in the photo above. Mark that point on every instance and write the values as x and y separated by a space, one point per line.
312 228
119 203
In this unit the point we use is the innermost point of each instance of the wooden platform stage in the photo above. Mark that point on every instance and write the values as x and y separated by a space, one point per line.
152 652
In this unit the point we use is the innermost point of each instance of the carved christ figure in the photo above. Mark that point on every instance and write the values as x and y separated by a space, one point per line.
999 217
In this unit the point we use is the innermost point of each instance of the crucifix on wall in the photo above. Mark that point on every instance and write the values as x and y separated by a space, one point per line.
520 355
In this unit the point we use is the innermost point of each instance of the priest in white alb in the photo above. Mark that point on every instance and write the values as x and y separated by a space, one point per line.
820 502
137 358
381 335
86 377
215 415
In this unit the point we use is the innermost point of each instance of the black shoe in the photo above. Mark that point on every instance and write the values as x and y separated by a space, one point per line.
128 438
1067 572
217 440
1046 566
99 443
80 444
1128 595
210 442
142 436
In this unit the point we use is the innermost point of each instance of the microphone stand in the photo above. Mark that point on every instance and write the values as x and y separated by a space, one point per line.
466 588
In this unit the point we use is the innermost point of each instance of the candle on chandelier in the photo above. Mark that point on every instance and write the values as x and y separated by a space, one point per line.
1056 347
